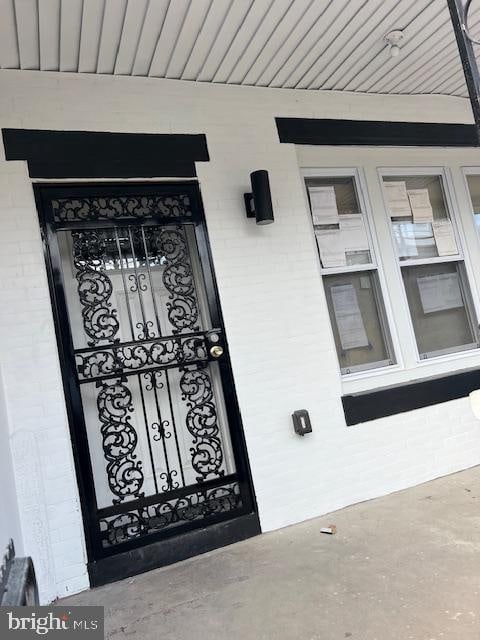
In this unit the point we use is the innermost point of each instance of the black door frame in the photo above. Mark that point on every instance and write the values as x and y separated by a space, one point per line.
156 549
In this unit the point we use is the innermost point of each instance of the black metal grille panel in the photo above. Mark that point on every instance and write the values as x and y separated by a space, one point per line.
130 358
161 516
91 209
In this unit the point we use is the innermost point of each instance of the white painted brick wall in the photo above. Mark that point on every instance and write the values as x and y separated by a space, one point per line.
275 312
36 409
9 516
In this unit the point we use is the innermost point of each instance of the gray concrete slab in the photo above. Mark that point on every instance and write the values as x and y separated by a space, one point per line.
402 567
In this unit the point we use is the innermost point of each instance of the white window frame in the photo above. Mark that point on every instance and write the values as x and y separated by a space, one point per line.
471 171
462 257
376 265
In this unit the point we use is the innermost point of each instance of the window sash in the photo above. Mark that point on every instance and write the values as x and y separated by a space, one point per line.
366 322
325 174
403 174
447 323
382 311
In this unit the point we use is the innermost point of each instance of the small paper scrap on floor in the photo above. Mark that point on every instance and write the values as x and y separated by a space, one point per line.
331 529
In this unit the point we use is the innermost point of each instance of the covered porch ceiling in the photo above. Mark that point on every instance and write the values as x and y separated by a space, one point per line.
297 44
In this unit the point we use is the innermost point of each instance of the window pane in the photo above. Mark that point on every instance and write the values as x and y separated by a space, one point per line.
441 308
423 230
345 192
474 188
338 221
358 320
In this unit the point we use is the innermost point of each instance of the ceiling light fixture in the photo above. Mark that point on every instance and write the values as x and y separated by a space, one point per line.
394 40
465 27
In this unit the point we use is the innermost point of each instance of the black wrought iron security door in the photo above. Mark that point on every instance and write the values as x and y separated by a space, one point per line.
155 423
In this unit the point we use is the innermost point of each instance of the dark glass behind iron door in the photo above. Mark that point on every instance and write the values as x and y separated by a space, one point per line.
156 430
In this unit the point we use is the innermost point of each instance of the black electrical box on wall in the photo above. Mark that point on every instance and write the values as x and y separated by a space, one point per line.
301 422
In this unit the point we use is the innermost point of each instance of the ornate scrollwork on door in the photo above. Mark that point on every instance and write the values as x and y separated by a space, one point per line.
114 399
178 279
89 209
202 423
119 440
120 359
196 505
94 287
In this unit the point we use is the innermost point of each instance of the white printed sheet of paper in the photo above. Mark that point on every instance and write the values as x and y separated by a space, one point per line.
348 316
354 234
397 198
420 204
324 205
444 238
331 247
440 292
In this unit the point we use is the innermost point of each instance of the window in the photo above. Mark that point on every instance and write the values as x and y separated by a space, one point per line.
350 273
431 264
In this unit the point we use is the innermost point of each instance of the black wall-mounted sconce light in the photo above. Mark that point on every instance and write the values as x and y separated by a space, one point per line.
259 202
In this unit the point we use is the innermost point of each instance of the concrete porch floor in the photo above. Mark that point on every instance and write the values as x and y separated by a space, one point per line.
402 567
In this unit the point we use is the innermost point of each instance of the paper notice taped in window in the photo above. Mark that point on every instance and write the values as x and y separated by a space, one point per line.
348 317
324 205
354 234
444 238
440 292
331 247
420 204
397 199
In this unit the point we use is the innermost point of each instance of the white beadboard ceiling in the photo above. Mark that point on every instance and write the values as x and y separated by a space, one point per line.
301 44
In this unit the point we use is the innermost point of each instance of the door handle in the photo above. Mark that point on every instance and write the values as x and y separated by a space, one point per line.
216 351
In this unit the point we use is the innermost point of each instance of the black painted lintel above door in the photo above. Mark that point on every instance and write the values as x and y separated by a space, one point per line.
99 154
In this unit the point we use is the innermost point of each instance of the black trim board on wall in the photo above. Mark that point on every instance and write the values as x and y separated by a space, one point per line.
98 154
314 131
388 401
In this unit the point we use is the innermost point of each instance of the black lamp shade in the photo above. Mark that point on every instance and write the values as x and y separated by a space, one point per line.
262 197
